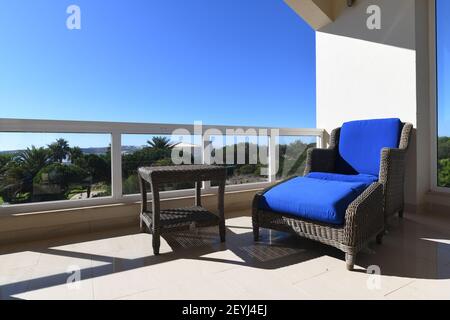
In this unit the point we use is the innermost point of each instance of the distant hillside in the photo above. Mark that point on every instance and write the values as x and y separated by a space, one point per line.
90 150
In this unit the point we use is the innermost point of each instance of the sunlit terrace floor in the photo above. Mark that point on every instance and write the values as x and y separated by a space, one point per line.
414 261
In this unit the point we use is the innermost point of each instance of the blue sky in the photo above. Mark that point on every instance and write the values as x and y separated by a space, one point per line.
237 62
443 58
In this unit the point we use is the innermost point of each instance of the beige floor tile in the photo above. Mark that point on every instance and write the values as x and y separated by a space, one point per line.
81 290
341 284
261 284
423 289
309 268
209 288
18 259
225 257
14 281
99 246
239 225
414 261
119 284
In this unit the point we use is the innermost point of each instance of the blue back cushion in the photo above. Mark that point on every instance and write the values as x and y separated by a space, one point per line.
361 142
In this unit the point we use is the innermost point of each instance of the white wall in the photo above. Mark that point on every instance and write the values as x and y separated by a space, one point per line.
364 74
358 79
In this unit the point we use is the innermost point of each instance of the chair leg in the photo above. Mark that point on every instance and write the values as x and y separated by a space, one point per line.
379 237
386 224
142 225
156 243
255 225
255 232
350 261
400 214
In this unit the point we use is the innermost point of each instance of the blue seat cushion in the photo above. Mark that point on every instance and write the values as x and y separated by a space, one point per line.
314 199
361 142
367 179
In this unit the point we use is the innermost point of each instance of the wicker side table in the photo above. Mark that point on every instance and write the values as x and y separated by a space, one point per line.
159 221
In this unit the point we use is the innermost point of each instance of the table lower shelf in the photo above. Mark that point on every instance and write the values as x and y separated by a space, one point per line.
182 217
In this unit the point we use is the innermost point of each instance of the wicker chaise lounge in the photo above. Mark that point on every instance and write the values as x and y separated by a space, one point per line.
348 192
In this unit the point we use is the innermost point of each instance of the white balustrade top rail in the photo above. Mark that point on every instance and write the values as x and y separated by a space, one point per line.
116 130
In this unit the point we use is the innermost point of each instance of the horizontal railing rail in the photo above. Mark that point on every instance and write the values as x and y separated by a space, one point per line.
65 126
117 129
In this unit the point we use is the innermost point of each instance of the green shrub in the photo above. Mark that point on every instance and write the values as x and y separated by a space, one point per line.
62 175
444 173
130 185
443 148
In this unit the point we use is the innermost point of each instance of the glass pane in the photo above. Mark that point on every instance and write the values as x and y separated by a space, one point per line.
245 158
140 150
37 167
443 96
292 155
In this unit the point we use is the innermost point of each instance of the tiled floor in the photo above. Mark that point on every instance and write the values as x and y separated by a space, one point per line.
414 261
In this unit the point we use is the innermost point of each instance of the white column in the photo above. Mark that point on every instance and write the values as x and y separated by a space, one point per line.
272 157
116 165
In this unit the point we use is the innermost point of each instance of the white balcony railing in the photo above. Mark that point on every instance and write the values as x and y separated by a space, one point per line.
116 130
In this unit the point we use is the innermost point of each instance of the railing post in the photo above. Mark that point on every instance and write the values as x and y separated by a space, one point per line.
319 141
272 157
205 142
323 139
116 165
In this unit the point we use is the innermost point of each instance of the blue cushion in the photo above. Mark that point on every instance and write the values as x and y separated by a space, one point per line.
315 199
361 142
367 179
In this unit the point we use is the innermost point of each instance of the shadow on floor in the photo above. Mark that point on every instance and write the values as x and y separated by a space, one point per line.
409 250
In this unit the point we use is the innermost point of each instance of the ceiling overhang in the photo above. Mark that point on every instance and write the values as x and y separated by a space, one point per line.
317 13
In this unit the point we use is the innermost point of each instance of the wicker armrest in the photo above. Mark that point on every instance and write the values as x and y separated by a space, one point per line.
392 163
392 173
364 217
320 160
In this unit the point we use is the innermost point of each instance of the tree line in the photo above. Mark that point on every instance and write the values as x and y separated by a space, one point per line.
51 173
59 171
444 162
291 162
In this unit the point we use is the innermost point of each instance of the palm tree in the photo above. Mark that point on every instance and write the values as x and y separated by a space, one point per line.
33 160
29 163
4 160
75 153
161 143
59 150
